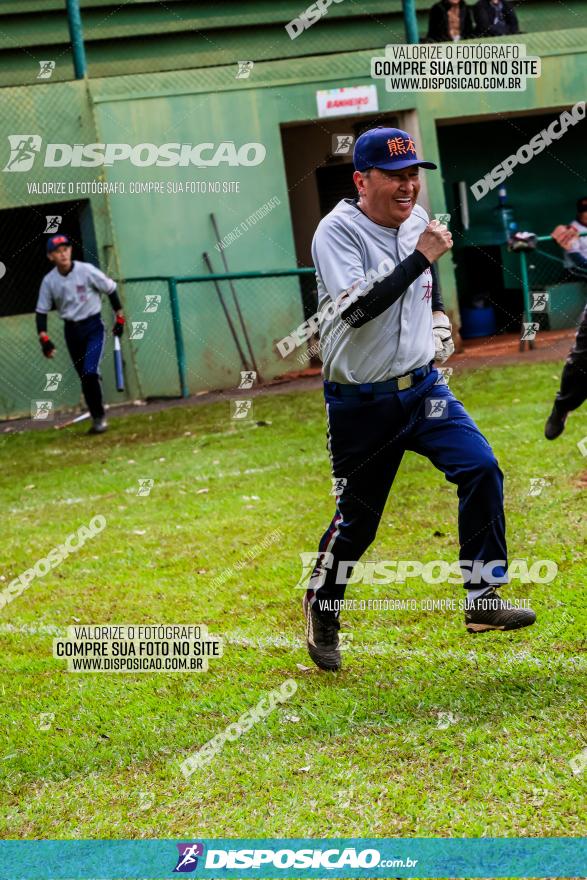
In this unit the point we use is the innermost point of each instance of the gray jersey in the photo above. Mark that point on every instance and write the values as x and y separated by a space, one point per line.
349 251
579 246
76 295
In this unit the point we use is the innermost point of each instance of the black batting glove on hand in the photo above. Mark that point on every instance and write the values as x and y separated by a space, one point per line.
46 345
118 328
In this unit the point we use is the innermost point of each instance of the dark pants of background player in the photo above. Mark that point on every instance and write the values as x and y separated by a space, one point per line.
573 387
367 438
85 343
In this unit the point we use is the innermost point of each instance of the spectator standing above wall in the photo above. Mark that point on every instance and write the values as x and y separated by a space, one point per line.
494 18
449 20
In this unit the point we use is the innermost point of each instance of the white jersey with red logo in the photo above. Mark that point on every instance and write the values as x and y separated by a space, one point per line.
76 296
349 251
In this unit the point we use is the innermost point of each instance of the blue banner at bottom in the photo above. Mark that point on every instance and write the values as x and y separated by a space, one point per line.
292 858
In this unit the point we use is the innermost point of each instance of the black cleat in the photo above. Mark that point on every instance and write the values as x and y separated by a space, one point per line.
322 637
490 612
98 426
555 424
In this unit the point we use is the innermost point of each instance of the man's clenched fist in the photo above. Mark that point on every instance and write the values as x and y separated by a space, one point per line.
565 236
435 241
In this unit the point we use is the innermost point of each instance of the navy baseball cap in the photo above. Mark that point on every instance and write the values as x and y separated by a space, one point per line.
56 241
388 148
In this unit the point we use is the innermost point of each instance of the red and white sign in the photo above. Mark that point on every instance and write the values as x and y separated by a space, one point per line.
344 102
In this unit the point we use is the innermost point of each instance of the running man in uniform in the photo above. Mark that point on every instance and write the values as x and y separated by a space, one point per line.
74 288
385 327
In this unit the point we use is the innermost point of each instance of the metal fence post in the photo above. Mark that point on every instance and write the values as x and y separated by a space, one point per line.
525 285
74 21
178 336
410 21
526 293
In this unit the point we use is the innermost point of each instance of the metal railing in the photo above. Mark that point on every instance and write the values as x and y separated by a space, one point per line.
173 283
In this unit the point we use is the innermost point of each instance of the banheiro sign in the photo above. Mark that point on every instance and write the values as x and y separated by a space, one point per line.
347 101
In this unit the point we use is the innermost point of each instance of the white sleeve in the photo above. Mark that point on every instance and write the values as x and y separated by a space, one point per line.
45 300
338 258
575 246
99 281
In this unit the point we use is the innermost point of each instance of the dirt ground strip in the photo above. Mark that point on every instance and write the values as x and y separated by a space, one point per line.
478 353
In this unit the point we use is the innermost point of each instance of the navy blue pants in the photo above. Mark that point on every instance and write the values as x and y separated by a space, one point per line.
85 343
367 437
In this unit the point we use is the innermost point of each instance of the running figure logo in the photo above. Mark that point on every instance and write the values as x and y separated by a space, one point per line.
23 149
444 374
47 68
319 560
244 69
241 409
537 484
52 381
52 222
342 144
247 379
187 860
152 302
539 301
530 331
436 408
138 329
42 409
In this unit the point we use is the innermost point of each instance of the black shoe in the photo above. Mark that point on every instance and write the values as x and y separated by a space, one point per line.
98 426
322 638
555 424
490 612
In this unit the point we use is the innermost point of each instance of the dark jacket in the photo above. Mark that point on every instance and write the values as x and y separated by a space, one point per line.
438 22
484 13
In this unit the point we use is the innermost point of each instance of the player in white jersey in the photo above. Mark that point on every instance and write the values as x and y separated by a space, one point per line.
382 326
74 289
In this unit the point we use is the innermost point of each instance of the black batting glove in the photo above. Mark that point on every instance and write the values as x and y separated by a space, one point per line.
46 345
118 328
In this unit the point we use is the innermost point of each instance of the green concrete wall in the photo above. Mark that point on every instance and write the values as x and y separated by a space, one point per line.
133 38
160 235
284 92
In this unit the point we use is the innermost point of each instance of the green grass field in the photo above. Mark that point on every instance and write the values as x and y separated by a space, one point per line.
427 731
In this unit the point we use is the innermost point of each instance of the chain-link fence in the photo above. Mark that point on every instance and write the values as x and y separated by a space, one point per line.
554 289
199 333
27 377
150 336
184 336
